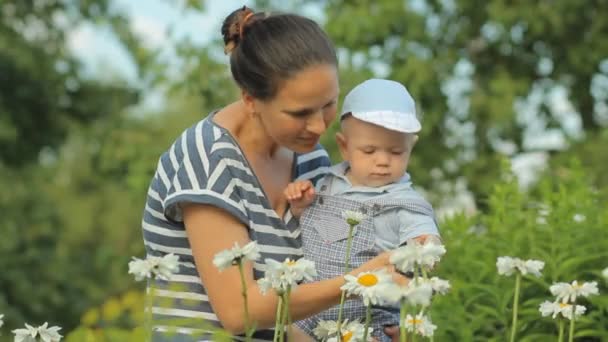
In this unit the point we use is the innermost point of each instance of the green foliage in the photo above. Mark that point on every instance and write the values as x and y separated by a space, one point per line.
546 224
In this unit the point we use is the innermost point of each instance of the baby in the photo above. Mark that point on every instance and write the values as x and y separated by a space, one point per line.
378 132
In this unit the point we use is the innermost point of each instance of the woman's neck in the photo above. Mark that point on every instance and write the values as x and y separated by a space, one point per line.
247 130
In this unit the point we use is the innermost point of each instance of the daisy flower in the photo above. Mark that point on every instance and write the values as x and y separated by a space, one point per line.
568 293
605 273
553 309
353 218
159 267
440 286
1 321
508 265
285 275
30 333
368 285
233 256
405 258
422 325
414 293
351 331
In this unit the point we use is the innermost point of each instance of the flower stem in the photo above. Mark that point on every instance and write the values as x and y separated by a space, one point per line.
248 328
515 303
368 319
402 314
349 243
560 337
571 332
277 321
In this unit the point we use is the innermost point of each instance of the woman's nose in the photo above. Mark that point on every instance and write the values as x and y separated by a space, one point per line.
316 123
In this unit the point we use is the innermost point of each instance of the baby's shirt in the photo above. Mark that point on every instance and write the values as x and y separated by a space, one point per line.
393 226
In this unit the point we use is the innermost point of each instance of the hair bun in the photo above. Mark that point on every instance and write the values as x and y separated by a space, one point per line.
233 26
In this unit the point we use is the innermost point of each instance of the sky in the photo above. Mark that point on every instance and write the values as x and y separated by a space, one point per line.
156 23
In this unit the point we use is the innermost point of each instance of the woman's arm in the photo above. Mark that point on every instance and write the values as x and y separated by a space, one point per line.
211 230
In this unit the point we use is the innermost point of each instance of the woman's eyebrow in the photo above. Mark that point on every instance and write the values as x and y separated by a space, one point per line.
306 111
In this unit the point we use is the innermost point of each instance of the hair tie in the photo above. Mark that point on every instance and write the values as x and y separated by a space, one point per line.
242 26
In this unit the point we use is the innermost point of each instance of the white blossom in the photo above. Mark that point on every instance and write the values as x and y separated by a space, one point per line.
579 218
605 273
30 333
368 285
413 254
353 218
422 325
414 293
285 275
440 286
508 265
351 331
1 320
159 267
568 293
554 309
236 254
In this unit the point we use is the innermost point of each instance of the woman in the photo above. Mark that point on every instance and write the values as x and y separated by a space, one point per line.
222 180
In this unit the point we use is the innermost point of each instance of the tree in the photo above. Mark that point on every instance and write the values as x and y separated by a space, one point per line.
470 66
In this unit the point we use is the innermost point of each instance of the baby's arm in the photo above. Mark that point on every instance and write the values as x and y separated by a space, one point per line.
300 195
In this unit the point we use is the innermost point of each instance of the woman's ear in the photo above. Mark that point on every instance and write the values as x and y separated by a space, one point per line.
249 101
342 145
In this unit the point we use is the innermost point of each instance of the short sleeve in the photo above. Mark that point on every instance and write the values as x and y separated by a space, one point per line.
313 165
203 178
413 224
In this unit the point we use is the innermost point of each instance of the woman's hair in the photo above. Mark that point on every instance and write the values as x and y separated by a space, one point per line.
266 49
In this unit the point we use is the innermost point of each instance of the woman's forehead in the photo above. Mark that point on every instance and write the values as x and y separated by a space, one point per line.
314 85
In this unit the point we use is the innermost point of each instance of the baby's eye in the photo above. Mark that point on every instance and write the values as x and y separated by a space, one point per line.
368 151
397 152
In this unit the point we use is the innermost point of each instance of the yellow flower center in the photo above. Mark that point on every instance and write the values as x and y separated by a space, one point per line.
290 262
347 336
368 280
415 321
563 305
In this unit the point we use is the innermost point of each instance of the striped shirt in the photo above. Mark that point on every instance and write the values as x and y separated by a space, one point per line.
206 165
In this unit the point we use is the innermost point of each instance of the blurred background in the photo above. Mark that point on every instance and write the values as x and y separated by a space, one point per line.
93 91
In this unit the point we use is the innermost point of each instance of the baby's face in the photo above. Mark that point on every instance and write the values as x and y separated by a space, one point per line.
377 156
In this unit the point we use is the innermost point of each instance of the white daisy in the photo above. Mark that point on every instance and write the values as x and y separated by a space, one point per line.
159 267
353 218
421 323
440 286
351 331
414 293
1 321
405 258
285 275
367 285
568 293
232 257
579 218
605 273
508 265
30 333
553 309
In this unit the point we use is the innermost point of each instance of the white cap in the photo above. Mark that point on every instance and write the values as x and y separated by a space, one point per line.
384 103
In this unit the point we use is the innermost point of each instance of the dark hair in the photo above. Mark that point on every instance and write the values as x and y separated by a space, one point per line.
266 49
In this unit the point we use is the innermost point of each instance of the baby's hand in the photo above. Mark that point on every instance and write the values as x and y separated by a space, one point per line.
428 238
300 195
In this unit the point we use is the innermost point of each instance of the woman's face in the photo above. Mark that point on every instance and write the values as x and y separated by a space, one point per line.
303 108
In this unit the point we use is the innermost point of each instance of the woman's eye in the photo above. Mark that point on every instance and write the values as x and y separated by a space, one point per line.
397 153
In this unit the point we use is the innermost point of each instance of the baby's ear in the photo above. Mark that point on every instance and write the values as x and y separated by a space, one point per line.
341 140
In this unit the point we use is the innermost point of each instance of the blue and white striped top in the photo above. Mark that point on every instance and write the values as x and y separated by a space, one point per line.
206 165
